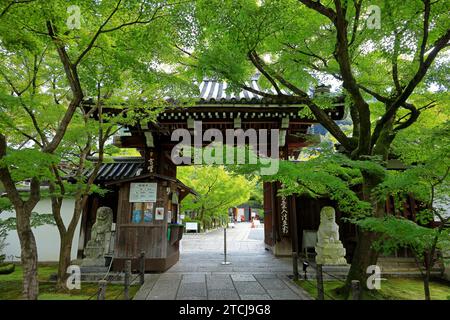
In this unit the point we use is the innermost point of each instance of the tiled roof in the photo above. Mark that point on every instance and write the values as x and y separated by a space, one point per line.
119 171
120 168
127 169
213 91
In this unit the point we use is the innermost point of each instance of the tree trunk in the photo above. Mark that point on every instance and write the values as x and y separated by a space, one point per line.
202 211
364 254
66 239
426 276
65 250
426 285
29 256
363 257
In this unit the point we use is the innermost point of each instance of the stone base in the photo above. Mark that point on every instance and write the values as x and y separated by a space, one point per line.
331 261
151 264
93 269
333 272
336 268
93 262
94 254
330 254
95 273
282 248
95 277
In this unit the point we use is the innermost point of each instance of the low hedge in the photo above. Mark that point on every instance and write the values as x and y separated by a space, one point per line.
7 268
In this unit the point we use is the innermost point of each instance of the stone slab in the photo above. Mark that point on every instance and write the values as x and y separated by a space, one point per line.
284 294
255 297
242 277
164 289
254 273
223 294
265 276
195 289
272 284
146 288
193 278
249 287
219 282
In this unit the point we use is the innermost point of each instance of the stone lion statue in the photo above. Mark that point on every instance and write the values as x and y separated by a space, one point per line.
98 245
102 224
328 230
329 249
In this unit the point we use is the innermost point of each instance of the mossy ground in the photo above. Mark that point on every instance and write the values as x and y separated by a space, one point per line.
11 287
391 289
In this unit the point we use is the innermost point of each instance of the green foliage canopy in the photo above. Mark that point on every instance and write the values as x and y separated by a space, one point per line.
218 190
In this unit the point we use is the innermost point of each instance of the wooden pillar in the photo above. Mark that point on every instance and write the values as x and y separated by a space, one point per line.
275 235
293 233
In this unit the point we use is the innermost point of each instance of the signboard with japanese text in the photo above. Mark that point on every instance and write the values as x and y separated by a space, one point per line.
284 214
143 191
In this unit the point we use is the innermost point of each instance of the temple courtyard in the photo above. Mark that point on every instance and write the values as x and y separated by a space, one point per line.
253 272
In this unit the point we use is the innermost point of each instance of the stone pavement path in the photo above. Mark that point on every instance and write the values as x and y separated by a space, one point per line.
254 273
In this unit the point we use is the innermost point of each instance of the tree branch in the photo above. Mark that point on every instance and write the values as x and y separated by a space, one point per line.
13 3
97 34
342 56
426 22
185 51
75 85
394 62
5 176
414 114
310 53
357 5
320 114
25 107
256 60
320 8
430 105
374 94
439 44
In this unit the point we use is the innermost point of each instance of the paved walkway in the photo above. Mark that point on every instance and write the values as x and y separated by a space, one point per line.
254 273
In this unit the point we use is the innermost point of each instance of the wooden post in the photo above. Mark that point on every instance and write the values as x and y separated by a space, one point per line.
356 290
274 209
102 290
126 291
319 277
142 267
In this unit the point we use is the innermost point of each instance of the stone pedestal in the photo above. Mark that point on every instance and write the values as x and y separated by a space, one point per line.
282 248
330 253
94 256
329 248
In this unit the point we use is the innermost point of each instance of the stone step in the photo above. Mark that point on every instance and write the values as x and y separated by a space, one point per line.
93 269
392 274
403 263
407 269
416 274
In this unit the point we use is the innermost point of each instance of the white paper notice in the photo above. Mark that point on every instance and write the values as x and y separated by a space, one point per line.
143 191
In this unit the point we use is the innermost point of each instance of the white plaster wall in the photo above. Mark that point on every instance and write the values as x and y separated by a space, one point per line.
47 236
